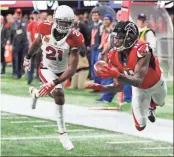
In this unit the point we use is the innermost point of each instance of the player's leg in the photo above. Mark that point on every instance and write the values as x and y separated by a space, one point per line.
158 98
140 105
45 76
58 94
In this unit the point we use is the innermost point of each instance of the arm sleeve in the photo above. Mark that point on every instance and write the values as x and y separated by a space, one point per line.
76 41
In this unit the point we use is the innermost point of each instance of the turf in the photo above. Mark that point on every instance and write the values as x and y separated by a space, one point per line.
83 146
19 87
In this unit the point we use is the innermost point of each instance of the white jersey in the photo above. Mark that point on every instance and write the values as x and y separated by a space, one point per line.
56 53
55 57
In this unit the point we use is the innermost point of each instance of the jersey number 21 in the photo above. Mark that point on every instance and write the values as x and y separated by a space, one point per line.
52 53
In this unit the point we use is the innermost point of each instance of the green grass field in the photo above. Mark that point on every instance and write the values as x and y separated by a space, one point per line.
40 138
19 87
33 139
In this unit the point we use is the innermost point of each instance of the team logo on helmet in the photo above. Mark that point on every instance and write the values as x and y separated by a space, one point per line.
131 27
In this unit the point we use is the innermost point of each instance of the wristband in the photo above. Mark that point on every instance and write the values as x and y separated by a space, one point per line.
56 81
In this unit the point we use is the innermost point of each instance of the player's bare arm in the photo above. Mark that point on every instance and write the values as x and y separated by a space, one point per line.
113 88
34 47
70 71
139 73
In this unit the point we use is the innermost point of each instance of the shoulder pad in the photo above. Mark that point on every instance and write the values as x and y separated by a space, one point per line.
75 39
44 28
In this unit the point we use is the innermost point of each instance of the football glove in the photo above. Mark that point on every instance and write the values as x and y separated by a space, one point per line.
46 88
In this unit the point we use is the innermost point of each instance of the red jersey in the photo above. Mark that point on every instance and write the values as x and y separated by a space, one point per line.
137 52
32 28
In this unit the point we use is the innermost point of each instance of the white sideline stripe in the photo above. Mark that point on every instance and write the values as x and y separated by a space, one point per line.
22 122
6 114
46 126
156 148
71 130
127 142
14 117
57 137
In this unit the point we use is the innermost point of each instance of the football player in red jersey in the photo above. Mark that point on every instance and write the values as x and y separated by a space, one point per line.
132 62
60 45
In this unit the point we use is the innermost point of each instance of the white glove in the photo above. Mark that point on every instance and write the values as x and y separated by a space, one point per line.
27 64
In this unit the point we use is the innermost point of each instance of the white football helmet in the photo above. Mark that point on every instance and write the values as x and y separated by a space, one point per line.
63 19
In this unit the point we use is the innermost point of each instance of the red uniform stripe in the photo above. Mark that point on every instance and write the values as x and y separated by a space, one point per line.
138 127
136 123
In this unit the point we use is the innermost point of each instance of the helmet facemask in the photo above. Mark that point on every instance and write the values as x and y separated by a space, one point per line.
64 26
118 41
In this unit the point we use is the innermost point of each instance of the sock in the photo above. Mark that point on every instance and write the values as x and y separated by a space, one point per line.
60 119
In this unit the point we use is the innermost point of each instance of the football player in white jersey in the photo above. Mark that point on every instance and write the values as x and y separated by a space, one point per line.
60 44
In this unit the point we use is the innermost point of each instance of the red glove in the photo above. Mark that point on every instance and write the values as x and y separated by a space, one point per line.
109 71
46 88
95 86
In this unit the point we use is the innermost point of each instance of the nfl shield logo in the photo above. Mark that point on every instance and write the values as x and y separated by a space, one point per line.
47 39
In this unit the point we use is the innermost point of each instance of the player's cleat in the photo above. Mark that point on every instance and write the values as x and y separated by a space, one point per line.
151 116
33 93
67 144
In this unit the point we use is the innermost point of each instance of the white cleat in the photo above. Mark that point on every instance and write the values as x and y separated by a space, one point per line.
67 144
33 94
